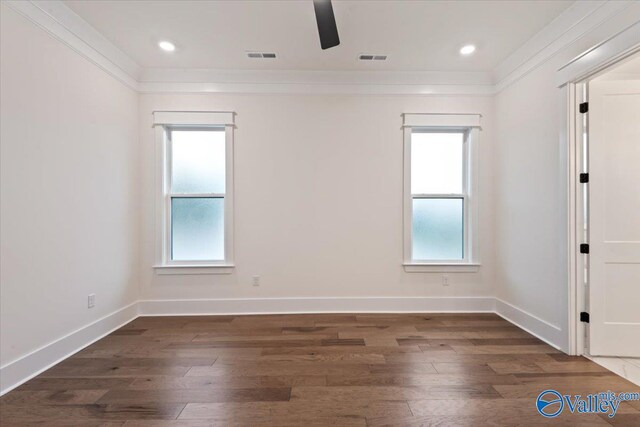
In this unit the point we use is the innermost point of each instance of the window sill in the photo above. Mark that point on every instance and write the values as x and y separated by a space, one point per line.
414 267
194 269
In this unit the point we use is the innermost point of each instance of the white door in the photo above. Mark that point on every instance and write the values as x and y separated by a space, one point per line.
614 218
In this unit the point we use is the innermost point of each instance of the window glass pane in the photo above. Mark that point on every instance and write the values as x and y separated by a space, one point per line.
436 163
197 229
198 161
438 229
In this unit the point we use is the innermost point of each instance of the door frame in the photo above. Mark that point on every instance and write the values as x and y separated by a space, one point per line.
572 79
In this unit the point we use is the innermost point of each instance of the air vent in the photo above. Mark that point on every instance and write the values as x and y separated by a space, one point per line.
370 57
264 55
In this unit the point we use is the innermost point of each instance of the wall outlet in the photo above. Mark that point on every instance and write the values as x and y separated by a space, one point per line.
445 280
255 280
91 301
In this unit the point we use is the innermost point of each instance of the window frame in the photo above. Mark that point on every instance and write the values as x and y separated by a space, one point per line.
469 126
164 263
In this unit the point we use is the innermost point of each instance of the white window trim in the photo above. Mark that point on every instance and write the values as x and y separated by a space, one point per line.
470 125
164 121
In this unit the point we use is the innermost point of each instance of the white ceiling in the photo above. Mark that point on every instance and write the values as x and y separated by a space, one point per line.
417 35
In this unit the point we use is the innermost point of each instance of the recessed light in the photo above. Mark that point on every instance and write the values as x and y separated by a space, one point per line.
167 46
467 49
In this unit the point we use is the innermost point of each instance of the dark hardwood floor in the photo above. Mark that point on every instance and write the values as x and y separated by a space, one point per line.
312 370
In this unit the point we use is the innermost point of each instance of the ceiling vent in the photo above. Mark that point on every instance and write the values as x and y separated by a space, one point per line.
263 55
370 57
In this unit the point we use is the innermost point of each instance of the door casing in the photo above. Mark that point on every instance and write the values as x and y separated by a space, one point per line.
572 81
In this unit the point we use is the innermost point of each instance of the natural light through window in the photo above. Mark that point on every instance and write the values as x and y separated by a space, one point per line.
197 194
438 195
436 162
198 161
194 198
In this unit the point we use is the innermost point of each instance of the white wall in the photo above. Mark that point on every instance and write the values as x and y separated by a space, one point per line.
531 198
69 198
318 198
530 181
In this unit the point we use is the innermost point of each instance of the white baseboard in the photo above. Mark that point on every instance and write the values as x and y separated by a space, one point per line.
23 369
19 371
316 305
628 368
551 334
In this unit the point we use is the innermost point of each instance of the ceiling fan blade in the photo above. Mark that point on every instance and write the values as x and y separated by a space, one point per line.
327 27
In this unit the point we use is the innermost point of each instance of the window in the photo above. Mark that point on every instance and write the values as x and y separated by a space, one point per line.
439 192
195 192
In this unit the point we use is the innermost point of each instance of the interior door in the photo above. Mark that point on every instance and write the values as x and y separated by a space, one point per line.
614 218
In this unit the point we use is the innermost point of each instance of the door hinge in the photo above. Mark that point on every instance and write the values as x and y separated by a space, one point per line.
584 317
584 248
584 178
584 107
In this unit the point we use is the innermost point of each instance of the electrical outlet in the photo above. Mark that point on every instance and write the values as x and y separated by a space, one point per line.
91 301
445 280
255 280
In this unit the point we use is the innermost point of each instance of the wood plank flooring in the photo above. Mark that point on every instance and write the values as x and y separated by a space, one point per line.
312 370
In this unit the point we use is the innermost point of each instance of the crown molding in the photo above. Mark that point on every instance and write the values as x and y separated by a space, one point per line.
315 82
574 23
542 43
315 89
311 77
596 59
64 24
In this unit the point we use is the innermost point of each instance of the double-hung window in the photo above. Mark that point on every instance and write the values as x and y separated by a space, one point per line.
195 191
440 192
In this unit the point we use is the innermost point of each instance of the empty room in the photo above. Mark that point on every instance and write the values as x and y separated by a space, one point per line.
319 213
